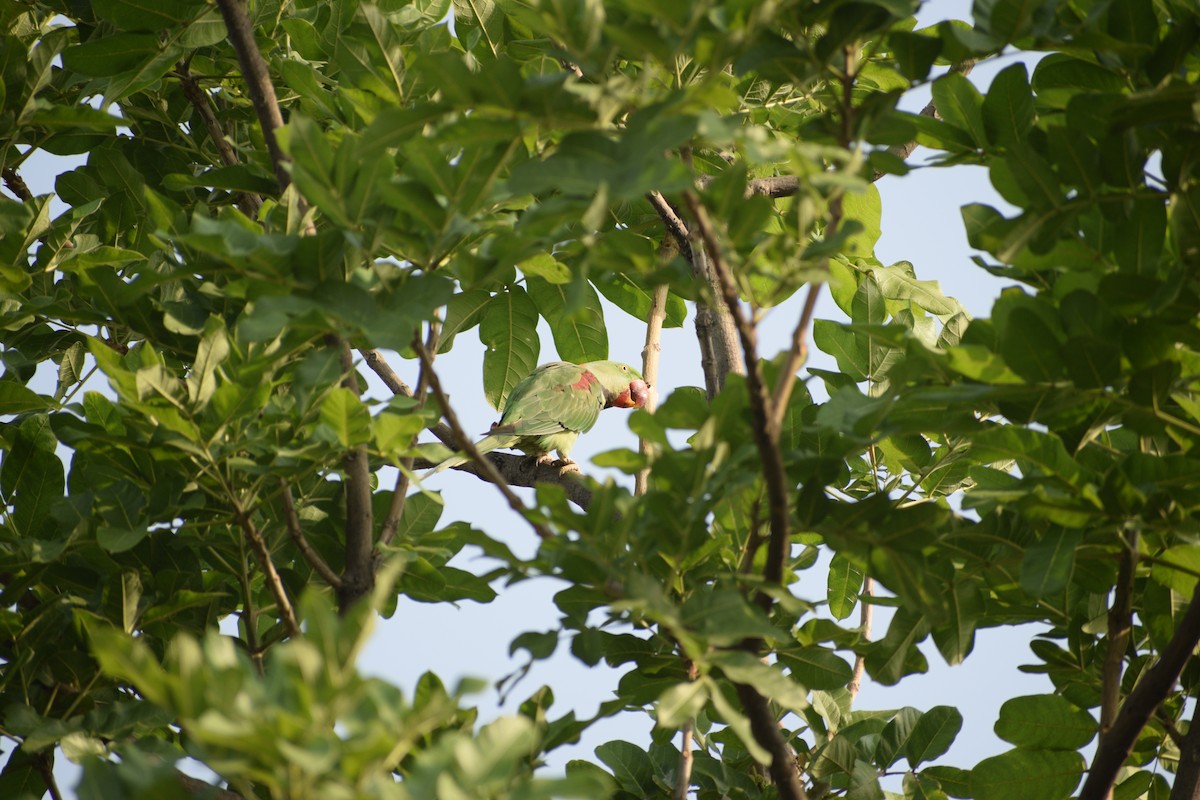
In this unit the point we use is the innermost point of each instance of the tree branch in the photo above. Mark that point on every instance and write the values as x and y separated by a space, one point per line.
258 85
1139 706
263 554
294 530
16 184
796 357
249 202
466 445
207 790
1120 625
1187 778
715 330
683 774
766 435
391 523
358 577
867 614
651 354
784 772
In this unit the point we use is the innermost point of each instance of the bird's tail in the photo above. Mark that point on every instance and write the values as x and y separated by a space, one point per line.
485 445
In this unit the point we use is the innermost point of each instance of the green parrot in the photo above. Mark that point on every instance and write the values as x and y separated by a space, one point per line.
555 403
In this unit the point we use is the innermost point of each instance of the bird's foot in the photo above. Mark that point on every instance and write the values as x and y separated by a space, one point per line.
567 467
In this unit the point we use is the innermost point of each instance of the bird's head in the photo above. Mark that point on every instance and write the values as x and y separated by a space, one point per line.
623 385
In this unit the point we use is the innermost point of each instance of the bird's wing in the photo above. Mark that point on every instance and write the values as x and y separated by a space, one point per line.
556 397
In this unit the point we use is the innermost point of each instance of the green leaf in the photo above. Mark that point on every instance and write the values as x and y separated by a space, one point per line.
18 399
955 638
848 347
1027 775
463 312
1008 106
1035 449
1046 567
111 55
680 703
344 418
845 582
630 765
629 296
894 740
575 317
817 668
933 734
509 332
960 104
897 283
1046 722
866 209
31 476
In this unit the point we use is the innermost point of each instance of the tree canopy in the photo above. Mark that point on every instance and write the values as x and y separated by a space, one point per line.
278 198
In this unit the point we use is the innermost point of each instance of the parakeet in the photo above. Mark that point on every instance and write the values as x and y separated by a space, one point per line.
555 403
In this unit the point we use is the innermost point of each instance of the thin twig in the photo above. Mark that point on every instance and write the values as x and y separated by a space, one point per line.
867 614
796 357
199 788
1139 706
465 444
259 546
1120 626
651 354
292 521
358 577
391 524
683 774
903 151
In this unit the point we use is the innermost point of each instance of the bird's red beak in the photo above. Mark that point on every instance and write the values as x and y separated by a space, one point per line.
633 397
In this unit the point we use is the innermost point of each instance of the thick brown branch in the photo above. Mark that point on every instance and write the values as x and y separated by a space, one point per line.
1139 706
466 445
766 435
715 330
784 772
258 83
294 530
358 577
1120 625
263 555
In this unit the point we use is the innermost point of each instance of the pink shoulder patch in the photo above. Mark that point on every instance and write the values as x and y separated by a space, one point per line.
586 380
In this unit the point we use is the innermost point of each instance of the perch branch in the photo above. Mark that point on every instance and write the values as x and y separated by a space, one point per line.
651 354
1187 778
465 444
683 774
16 184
